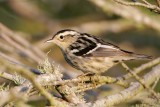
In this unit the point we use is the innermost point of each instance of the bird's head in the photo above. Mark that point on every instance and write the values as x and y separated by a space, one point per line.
64 38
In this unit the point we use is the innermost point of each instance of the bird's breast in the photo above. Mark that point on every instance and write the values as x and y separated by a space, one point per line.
89 64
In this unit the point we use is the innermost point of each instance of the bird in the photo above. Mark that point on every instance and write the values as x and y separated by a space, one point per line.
89 53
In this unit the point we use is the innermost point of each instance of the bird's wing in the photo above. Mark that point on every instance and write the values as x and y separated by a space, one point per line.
106 51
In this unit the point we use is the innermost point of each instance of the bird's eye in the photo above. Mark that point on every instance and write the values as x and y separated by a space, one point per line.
61 37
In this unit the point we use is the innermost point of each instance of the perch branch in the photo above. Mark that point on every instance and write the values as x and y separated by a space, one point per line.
85 87
97 78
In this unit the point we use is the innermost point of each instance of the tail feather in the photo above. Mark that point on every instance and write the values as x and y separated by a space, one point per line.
137 56
141 56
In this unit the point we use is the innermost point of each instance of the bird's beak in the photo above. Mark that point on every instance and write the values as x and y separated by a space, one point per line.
50 40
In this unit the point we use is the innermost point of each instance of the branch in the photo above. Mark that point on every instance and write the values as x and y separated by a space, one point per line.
139 79
17 63
130 13
69 94
155 83
143 67
19 47
85 87
128 93
16 93
146 2
22 41
158 2
30 76
7 76
97 78
146 5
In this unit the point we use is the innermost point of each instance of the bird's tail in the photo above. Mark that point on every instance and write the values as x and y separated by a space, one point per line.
141 56
137 56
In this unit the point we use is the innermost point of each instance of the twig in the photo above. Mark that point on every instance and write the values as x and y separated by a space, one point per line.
66 92
128 12
98 79
140 80
7 76
158 2
16 93
15 62
128 93
85 87
69 94
21 40
152 7
146 2
16 45
9 96
143 67
155 83
30 76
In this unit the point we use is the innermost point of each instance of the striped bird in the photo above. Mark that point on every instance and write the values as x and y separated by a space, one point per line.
89 53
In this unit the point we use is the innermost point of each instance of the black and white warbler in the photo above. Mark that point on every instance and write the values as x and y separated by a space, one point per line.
88 53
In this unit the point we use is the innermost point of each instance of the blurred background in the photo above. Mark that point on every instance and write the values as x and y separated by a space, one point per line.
26 24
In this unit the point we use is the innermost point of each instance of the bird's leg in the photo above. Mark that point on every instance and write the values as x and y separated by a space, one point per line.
92 78
82 78
89 74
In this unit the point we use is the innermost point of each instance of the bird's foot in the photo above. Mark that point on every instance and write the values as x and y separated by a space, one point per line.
91 75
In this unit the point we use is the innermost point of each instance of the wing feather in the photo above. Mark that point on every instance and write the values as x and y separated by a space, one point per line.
107 51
